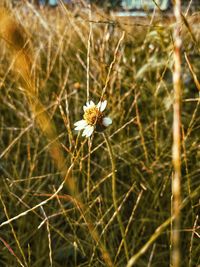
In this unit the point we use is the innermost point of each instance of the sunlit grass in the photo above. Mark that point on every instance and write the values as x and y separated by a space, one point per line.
58 203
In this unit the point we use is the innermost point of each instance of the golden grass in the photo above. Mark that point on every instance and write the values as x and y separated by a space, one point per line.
61 206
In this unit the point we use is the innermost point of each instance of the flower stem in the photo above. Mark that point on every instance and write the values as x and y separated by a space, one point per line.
112 159
88 168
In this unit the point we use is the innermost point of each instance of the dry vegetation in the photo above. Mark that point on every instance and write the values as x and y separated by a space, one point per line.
56 194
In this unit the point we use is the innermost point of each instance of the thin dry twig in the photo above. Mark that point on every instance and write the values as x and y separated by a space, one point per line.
14 234
88 54
114 194
159 230
130 220
41 203
112 64
49 236
11 251
176 149
191 241
11 145
196 81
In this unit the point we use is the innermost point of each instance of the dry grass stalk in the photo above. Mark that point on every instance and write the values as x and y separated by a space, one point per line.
159 230
176 149
83 224
12 33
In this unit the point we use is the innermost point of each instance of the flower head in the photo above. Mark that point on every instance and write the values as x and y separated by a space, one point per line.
93 118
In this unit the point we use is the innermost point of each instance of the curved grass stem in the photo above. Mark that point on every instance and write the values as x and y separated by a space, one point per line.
114 195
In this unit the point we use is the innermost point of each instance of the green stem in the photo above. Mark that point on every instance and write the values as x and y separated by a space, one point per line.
112 159
88 168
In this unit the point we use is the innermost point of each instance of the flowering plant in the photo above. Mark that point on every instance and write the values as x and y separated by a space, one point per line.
93 118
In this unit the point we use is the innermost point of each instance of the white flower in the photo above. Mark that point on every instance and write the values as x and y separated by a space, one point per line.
93 118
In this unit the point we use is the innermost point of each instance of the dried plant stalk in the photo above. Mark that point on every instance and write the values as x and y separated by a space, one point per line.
176 149
22 55
114 196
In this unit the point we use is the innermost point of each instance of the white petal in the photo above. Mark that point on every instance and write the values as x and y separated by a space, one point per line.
78 128
81 122
103 105
99 105
88 131
92 104
89 104
86 107
80 125
107 121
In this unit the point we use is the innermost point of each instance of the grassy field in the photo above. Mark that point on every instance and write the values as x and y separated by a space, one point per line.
67 200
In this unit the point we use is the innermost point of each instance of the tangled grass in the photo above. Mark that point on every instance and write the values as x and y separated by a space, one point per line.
58 207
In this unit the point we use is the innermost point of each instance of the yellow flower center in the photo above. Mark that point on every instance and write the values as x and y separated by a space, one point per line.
93 116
